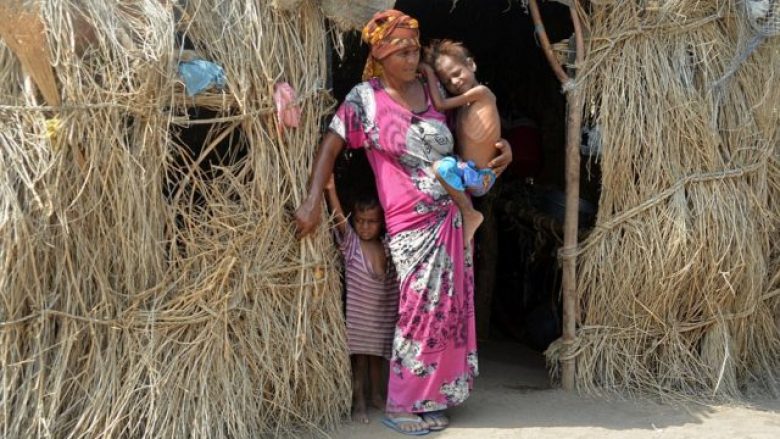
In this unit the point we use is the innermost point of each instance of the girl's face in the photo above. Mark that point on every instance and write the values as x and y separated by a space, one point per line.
368 223
402 64
457 76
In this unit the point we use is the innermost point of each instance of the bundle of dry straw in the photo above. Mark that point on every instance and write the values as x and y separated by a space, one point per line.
679 279
142 296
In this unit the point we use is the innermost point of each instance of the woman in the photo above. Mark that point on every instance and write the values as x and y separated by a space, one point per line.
434 356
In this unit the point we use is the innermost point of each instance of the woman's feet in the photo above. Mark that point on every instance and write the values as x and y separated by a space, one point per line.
406 423
436 420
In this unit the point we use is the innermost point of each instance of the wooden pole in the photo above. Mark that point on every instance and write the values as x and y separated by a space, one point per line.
22 30
570 223
536 16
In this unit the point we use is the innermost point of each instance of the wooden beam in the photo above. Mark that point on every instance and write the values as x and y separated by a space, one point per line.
544 41
570 224
22 29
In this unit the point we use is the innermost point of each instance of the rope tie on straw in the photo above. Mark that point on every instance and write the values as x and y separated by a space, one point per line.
68 107
176 120
567 349
604 44
679 327
601 229
568 252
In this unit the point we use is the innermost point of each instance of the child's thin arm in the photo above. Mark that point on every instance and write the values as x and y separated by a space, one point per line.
441 103
335 205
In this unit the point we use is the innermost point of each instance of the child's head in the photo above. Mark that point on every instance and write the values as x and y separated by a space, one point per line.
453 64
368 218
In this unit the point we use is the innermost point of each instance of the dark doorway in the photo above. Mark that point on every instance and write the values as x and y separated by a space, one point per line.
518 277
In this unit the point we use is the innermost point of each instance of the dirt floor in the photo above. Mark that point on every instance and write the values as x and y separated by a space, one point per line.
513 399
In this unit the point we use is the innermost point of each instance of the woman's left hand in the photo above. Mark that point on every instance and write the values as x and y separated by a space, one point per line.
499 164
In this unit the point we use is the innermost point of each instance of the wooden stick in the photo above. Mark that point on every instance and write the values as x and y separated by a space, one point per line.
536 16
571 218
570 223
23 31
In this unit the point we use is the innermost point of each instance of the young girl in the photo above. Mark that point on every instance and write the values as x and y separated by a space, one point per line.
372 296
477 129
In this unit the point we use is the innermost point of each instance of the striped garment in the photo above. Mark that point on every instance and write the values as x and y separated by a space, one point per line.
372 300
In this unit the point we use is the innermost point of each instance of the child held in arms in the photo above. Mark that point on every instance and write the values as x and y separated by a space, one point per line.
477 127
372 296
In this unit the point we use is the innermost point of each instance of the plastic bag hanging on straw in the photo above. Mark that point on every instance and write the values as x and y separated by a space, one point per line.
288 112
198 75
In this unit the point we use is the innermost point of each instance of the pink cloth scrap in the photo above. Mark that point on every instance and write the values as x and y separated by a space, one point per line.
288 112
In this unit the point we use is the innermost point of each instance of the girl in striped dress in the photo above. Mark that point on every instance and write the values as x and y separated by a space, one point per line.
372 296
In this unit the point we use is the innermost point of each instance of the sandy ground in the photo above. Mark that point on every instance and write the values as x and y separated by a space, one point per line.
513 399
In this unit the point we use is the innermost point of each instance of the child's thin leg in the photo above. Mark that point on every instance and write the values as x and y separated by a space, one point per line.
375 369
359 369
472 218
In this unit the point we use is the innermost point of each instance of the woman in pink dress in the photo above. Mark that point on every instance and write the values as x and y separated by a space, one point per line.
390 115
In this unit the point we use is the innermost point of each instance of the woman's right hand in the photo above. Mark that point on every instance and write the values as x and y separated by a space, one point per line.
307 218
309 213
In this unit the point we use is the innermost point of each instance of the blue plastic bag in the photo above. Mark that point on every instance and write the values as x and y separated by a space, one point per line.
198 75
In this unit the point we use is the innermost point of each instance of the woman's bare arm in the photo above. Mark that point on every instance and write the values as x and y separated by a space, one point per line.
503 160
308 214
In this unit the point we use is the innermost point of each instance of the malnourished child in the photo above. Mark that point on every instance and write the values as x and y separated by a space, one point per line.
477 129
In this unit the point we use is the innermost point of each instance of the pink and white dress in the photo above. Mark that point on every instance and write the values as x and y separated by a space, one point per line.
434 356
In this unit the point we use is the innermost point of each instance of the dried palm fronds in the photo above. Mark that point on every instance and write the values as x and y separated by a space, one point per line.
286 5
675 280
353 14
143 293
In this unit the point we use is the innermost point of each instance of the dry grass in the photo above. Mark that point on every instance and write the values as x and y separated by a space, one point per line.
676 280
129 313
351 15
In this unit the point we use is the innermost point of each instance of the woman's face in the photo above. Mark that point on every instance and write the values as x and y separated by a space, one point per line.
402 64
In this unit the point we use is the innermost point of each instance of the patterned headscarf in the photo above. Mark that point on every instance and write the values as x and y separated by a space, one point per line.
388 32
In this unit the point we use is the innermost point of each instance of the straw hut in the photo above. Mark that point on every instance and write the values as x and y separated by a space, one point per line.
151 282
677 283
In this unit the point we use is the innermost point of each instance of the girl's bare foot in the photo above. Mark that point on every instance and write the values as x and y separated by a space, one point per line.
359 413
359 372
472 218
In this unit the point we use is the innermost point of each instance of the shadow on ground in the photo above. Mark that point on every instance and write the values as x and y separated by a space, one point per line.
513 399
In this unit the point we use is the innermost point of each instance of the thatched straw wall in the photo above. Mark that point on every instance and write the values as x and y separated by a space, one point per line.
141 297
679 279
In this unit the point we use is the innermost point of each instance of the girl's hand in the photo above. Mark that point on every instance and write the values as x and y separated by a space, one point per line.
499 164
331 184
425 69
307 218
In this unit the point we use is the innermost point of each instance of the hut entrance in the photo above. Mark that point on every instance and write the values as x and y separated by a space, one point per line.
518 275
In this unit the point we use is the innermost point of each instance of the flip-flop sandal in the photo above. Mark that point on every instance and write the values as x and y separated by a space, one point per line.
396 423
436 420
